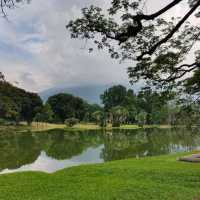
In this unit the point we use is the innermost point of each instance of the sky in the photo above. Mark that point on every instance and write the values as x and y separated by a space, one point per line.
37 52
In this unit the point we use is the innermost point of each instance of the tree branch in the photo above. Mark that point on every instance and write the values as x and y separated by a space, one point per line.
132 31
158 13
174 75
170 35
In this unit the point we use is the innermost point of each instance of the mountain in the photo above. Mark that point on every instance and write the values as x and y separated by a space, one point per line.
88 93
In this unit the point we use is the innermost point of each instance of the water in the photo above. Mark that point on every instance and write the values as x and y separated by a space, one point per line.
54 150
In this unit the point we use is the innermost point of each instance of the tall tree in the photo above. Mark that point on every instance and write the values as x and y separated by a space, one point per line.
114 96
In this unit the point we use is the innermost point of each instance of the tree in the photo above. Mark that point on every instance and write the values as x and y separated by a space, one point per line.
9 110
100 118
18 104
119 115
90 110
158 47
142 118
153 103
31 103
119 99
45 114
67 106
114 96
2 77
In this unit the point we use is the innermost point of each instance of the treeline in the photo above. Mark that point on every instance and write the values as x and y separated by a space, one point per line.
119 106
18 105
149 107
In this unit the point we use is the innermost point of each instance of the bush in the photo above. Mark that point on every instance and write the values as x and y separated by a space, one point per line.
71 122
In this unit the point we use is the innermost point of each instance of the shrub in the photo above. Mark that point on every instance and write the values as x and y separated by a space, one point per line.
71 122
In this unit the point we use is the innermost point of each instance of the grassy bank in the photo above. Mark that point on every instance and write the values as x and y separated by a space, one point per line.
157 178
86 126
82 126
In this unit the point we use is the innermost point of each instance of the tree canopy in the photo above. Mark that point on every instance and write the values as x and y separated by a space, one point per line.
67 106
123 106
17 104
157 47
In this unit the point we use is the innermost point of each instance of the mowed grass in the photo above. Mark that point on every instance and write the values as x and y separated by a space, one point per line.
45 126
87 126
40 126
156 178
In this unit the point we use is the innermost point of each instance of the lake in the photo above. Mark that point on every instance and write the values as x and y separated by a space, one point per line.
57 149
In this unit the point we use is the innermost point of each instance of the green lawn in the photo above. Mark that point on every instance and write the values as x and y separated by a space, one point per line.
156 178
86 126
37 127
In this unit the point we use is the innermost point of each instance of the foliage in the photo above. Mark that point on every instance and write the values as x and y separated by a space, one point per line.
142 118
119 115
188 114
66 106
100 118
90 109
71 122
97 116
45 114
16 104
158 46
114 96
146 107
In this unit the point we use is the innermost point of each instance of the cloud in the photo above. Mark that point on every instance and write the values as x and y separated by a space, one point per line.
36 49
39 54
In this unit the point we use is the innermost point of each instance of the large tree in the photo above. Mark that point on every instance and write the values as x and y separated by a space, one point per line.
67 106
114 96
159 48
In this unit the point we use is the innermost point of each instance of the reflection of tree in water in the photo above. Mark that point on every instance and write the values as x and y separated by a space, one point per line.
64 146
149 142
18 149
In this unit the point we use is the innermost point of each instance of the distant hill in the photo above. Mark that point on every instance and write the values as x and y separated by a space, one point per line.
88 93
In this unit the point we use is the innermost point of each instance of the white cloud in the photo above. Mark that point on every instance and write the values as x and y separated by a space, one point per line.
39 54
45 52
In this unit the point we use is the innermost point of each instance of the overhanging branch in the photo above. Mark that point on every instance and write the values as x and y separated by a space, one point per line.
170 35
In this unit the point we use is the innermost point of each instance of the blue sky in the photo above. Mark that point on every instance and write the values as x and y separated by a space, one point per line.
36 50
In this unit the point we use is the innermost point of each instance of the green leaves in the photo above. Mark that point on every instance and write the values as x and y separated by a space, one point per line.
158 47
17 104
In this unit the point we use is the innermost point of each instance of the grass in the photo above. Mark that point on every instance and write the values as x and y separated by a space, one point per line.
87 126
45 126
156 178
37 127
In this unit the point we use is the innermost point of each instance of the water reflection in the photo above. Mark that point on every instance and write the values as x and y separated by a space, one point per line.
54 150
